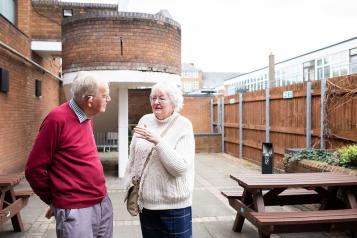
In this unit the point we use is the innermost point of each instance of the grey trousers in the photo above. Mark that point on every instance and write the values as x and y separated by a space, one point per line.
89 222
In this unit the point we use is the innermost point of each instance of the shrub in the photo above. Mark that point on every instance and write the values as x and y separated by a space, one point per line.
347 156
328 157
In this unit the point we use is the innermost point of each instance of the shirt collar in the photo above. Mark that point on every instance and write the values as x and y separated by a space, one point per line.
78 111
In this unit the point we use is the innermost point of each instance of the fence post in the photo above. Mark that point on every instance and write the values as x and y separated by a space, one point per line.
267 113
222 124
241 126
218 115
270 83
322 114
211 115
308 115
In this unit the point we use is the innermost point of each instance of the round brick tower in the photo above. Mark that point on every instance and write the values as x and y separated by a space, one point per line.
130 50
121 41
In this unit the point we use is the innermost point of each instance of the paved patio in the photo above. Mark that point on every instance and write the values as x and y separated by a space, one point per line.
212 216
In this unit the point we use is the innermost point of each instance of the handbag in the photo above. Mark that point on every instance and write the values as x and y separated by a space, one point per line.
132 196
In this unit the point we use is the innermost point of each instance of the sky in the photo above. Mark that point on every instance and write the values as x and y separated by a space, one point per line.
239 35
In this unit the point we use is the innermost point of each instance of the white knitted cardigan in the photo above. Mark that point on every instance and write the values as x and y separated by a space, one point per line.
167 180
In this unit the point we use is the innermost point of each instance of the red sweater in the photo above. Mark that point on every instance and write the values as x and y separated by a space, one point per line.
63 167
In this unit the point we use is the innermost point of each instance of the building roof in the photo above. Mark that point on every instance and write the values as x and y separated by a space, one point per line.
73 4
189 67
215 79
301 55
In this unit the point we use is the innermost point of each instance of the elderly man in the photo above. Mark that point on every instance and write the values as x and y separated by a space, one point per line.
63 167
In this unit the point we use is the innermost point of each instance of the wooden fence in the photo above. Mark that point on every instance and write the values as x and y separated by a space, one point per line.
289 118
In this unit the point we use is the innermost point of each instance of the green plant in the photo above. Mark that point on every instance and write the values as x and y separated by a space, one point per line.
311 154
347 156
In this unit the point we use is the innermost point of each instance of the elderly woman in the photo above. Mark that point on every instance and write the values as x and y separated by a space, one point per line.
166 185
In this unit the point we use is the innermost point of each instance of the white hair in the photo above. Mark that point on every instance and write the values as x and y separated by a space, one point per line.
173 92
85 84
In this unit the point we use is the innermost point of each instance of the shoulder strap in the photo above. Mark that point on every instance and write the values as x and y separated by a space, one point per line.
162 135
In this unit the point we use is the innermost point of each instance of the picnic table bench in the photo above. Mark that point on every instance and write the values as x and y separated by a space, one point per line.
335 192
11 201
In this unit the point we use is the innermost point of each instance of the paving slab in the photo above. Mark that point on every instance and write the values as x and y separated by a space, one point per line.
212 215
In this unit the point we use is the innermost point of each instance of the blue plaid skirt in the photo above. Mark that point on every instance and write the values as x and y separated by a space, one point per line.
172 223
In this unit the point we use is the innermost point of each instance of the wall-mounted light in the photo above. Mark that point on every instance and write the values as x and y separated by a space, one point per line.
38 88
67 12
4 80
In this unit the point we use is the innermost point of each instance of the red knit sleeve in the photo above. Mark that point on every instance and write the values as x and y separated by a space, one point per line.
40 158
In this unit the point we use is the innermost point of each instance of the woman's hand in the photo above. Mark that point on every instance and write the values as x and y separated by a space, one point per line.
147 134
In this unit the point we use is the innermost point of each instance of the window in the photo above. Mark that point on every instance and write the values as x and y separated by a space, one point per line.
8 10
67 12
4 80
38 88
327 71
353 60
187 87
195 85
309 70
339 63
319 73
323 68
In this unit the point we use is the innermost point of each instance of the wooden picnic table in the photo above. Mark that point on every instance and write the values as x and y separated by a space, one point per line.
335 192
11 201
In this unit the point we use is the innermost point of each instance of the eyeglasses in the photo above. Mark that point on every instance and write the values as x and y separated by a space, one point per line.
159 99
106 97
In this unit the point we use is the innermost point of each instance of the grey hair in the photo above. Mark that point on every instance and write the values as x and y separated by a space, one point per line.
84 84
173 92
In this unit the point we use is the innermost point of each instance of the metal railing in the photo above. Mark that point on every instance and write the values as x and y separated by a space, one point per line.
106 141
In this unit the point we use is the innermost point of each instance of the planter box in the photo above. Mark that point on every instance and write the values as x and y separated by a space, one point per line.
306 166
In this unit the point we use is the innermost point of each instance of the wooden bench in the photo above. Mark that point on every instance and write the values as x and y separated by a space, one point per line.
24 194
335 193
287 197
289 222
11 202
12 209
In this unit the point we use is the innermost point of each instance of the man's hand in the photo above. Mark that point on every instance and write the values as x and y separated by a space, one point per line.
49 213
147 134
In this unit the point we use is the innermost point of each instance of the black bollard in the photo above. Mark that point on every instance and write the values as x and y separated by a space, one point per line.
267 158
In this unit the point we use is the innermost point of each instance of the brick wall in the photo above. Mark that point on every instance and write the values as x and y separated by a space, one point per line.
46 17
23 10
46 22
24 111
139 104
124 41
13 37
198 110
208 143
21 111
53 64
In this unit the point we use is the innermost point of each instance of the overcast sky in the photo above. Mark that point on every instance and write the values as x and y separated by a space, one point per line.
238 35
